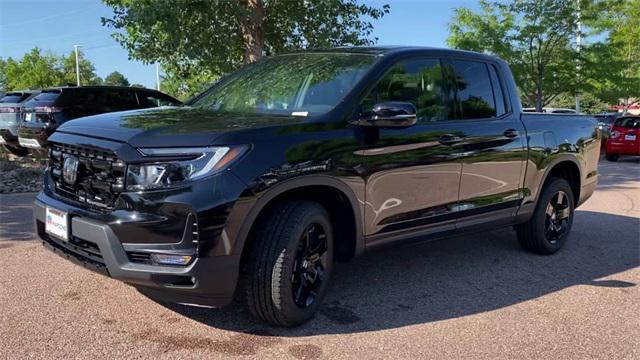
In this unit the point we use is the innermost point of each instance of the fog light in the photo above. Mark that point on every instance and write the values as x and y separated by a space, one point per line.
171 259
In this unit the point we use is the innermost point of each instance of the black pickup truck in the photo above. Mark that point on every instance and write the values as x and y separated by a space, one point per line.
259 184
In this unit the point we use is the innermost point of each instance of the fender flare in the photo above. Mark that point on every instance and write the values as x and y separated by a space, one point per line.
295 183
555 160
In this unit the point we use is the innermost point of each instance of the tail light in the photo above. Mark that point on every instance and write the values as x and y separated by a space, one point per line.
9 109
47 109
614 134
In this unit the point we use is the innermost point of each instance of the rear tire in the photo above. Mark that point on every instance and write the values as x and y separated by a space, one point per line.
290 263
612 157
548 229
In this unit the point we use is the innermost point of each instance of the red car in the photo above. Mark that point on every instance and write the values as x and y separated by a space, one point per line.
625 138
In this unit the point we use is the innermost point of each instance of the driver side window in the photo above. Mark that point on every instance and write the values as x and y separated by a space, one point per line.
419 82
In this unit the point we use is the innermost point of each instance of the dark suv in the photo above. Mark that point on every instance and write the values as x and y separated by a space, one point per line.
260 183
11 107
53 107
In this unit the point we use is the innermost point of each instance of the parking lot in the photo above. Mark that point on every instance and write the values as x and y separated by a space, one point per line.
475 297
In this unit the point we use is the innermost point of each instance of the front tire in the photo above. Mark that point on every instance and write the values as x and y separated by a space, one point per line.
290 263
548 229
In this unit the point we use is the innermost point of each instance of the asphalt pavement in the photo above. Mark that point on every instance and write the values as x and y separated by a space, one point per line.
472 297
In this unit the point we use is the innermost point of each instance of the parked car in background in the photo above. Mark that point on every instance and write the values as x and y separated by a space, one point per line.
552 110
605 122
11 106
298 160
624 139
53 107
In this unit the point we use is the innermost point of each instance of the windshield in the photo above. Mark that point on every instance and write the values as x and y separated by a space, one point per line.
629 123
298 84
14 97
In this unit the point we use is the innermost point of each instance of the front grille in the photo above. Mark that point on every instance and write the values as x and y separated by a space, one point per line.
99 176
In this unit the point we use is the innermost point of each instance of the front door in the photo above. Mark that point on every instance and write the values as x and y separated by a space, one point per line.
412 175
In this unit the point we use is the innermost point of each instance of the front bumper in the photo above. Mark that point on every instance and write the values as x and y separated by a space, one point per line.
208 280
34 136
8 137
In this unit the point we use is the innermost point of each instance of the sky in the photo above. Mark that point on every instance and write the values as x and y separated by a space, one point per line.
57 25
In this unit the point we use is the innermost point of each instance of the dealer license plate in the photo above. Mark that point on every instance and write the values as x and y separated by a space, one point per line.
57 223
630 137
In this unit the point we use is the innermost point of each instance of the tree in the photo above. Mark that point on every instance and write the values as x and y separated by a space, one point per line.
35 70
3 75
185 87
189 36
88 74
116 78
615 62
533 36
589 103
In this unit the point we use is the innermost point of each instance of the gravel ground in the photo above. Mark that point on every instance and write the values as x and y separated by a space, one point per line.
468 297
20 176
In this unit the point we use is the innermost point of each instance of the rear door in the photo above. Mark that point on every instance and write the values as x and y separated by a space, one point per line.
493 149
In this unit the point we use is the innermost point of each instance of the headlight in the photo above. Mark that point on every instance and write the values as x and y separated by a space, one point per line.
184 164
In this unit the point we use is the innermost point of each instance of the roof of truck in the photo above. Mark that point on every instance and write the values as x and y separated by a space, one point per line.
396 50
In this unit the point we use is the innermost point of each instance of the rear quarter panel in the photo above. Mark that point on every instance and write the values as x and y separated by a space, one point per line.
555 138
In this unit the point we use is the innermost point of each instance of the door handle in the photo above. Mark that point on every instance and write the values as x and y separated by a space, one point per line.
511 133
449 139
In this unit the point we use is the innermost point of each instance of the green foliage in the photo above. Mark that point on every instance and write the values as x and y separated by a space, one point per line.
614 64
87 70
3 75
34 70
38 70
185 87
589 103
116 78
198 41
533 36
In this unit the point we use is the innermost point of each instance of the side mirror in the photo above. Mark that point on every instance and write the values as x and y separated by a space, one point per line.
390 114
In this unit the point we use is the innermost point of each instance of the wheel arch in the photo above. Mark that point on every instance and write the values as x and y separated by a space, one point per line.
337 197
568 168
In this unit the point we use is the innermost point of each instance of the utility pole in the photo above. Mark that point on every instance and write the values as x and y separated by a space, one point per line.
77 66
578 60
158 76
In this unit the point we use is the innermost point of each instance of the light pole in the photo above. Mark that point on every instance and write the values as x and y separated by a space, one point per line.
578 62
158 76
77 66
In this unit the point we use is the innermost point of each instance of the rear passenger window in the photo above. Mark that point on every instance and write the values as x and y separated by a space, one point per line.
419 82
501 107
119 100
475 94
148 100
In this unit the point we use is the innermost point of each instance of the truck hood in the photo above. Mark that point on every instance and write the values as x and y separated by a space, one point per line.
169 126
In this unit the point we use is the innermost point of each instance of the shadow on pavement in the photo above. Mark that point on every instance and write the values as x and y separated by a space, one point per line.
453 278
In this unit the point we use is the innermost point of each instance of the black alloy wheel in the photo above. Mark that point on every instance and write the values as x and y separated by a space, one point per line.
309 266
550 224
558 214
289 265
